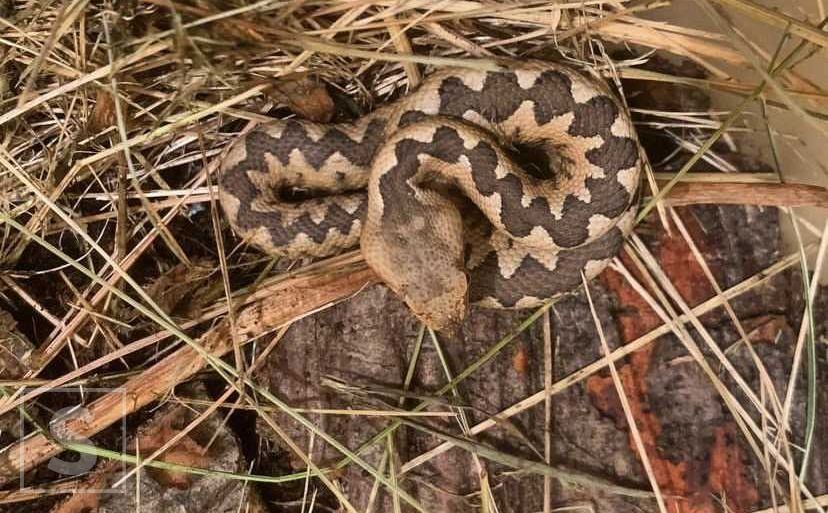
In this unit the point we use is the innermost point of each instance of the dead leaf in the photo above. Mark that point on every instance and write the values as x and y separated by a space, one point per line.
88 501
182 291
185 452
103 114
305 96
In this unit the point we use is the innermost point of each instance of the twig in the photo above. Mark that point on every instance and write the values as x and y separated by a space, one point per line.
729 193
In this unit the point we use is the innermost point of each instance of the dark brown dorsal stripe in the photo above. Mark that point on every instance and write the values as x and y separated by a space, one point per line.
236 182
295 136
501 96
533 279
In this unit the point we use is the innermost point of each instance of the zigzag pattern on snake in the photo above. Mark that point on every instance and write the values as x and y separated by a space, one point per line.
450 217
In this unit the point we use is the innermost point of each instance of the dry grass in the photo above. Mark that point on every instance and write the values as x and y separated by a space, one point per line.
113 120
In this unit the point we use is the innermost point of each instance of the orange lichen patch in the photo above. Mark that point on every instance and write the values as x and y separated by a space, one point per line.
671 475
520 361
688 486
680 265
636 317
727 472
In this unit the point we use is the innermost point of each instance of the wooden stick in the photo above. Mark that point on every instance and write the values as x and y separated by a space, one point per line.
40 491
731 193
715 177
295 297
277 305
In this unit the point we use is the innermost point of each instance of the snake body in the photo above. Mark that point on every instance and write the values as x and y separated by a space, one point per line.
450 217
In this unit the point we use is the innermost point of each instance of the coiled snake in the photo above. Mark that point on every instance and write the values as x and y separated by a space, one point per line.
450 217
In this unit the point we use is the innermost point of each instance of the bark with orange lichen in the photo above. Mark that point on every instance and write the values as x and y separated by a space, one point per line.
687 488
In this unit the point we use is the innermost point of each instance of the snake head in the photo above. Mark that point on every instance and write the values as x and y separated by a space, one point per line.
420 257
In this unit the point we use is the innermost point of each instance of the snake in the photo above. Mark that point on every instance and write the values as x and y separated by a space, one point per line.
501 188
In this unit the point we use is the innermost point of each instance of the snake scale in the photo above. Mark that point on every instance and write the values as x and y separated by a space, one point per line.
495 188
